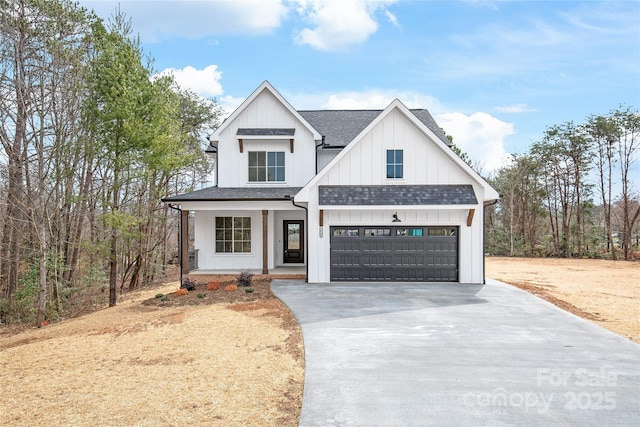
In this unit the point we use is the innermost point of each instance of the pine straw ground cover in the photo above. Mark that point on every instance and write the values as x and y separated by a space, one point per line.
221 359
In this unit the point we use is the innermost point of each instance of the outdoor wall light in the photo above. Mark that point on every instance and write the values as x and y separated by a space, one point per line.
395 217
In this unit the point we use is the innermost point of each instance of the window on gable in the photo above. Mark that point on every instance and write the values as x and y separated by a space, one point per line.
233 234
266 166
395 164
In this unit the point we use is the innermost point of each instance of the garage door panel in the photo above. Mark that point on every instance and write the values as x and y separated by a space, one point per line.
377 274
373 260
394 253
408 260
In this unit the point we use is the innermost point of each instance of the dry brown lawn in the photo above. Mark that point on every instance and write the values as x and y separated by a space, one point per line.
604 292
230 358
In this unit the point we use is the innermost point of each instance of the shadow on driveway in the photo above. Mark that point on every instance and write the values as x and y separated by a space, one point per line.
455 354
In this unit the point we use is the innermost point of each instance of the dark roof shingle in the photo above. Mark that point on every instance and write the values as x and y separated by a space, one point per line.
396 195
266 131
232 194
340 127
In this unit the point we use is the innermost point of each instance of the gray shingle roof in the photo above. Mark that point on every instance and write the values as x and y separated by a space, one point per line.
340 127
396 195
231 194
266 131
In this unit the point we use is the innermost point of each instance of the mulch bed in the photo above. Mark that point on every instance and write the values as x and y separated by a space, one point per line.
203 296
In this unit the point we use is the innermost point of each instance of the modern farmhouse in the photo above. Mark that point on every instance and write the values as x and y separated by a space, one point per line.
350 195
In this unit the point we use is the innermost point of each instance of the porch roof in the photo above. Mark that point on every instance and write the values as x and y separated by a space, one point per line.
235 194
265 132
396 195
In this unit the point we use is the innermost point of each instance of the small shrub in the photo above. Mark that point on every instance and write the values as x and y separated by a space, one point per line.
245 278
159 295
164 299
231 288
213 286
201 295
248 290
188 284
181 292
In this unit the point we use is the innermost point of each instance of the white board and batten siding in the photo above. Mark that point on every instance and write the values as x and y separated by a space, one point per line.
266 111
425 163
205 238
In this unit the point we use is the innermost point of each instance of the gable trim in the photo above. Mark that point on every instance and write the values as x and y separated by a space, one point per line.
489 193
264 86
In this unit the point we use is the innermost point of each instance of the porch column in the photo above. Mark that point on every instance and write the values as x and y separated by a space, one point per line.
265 242
184 242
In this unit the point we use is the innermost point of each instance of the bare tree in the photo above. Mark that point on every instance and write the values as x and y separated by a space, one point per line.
604 133
628 123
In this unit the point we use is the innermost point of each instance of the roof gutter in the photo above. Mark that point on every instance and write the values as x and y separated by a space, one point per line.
306 241
179 238
318 146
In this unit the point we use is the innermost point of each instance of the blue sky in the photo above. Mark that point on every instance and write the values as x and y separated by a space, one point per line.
494 74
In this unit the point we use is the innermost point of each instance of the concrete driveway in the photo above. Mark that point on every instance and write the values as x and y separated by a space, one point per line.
456 355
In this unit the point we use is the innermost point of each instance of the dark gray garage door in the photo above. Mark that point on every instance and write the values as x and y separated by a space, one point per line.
405 254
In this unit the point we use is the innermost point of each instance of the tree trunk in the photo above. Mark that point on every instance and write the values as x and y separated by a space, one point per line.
113 270
42 293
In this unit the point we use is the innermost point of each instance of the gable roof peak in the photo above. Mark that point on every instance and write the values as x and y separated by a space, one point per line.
265 85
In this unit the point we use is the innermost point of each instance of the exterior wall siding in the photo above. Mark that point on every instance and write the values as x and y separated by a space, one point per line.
424 163
205 239
470 242
265 112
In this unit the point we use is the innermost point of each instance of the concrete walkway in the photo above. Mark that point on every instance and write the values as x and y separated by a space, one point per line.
456 355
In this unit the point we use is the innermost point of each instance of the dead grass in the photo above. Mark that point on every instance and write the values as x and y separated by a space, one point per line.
142 364
229 358
604 292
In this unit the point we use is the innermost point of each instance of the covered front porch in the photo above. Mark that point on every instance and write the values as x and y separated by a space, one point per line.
243 229
282 272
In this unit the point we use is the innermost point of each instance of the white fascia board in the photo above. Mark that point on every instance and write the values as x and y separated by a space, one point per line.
303 195
396 207
259 138
241 205
490 192
265 85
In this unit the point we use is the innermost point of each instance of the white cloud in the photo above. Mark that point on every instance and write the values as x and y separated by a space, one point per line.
392 18
338 24
379 99
229 104
157 20
516 108
205 82
480 135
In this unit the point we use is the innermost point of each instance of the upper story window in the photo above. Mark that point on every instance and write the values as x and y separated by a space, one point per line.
395 164
266 166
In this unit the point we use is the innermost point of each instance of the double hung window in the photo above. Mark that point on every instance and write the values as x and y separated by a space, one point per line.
395 164
266 166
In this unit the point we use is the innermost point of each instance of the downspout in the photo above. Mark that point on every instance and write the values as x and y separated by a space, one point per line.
306 241
318 146
484 272
179 239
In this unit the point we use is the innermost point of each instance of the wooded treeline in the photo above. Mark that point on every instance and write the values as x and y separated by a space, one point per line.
573 193
91 141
